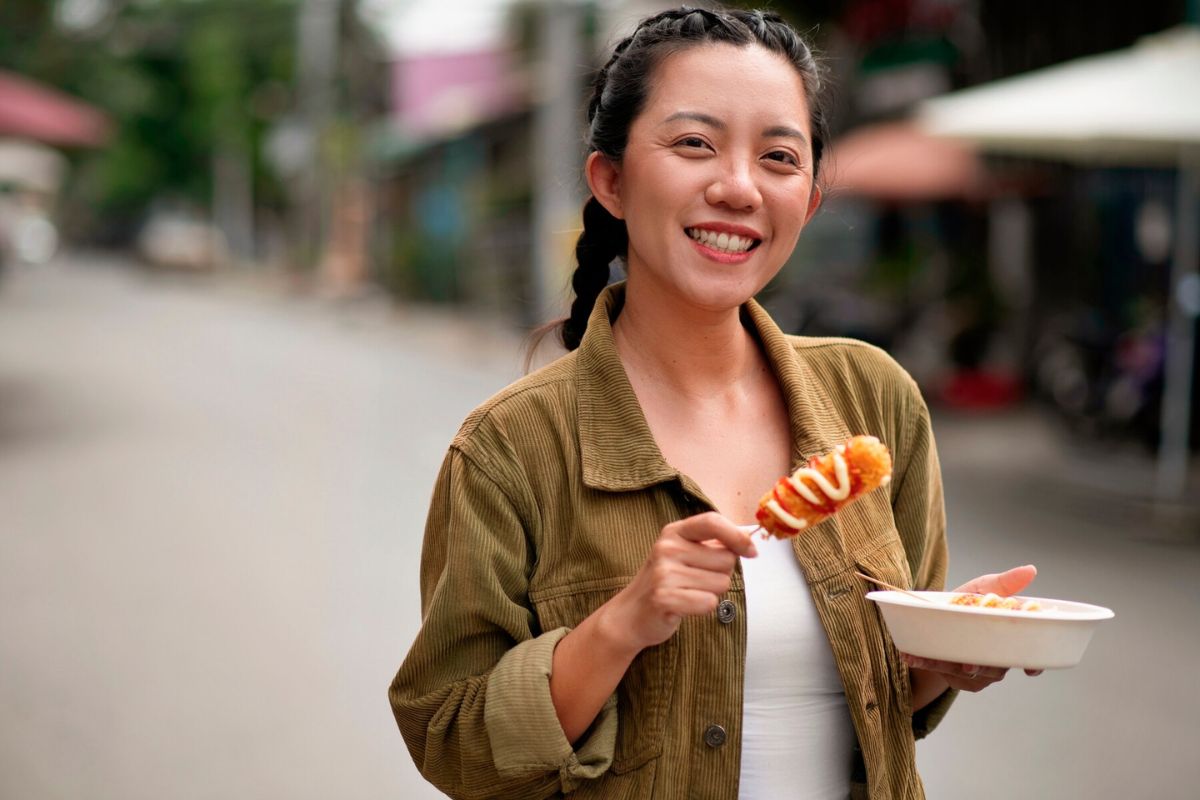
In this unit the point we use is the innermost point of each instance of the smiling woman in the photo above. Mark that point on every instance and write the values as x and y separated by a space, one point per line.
597 619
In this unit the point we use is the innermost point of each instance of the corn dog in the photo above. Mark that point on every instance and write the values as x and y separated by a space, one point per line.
823 486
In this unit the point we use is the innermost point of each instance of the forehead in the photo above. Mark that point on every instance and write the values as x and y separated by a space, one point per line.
749 81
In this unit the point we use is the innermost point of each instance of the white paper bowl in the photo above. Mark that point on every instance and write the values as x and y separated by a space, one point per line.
1053 638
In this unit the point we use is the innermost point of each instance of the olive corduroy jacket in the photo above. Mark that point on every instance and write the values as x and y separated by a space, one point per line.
547 504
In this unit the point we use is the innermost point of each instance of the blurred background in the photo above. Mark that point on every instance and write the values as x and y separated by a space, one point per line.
258 259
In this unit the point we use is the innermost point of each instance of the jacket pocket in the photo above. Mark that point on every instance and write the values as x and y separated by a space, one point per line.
887 563
644 693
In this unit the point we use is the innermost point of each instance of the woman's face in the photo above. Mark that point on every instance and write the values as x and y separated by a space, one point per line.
716 182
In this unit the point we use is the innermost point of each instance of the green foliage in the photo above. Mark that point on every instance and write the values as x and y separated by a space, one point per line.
180 79
23 23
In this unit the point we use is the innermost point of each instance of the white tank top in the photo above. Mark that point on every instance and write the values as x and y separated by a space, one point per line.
797 736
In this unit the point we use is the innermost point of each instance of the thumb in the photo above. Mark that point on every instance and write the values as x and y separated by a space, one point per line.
1002 583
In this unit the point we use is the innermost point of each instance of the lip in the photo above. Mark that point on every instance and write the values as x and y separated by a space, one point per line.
729 227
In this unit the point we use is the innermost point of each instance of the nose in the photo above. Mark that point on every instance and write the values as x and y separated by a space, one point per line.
734 187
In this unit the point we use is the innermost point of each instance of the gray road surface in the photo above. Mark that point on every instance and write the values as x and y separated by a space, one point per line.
210 509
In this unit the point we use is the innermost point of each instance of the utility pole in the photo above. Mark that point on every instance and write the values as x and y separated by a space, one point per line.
233 191
1183 305
556 146
316 67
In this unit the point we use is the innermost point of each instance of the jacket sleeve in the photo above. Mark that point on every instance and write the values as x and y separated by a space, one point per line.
919 510
472 698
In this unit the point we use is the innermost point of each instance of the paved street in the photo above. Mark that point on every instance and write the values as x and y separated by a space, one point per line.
211 499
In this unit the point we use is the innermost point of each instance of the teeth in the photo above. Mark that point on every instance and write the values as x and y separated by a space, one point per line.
730 243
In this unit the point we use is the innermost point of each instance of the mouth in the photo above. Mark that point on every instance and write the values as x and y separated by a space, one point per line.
722 241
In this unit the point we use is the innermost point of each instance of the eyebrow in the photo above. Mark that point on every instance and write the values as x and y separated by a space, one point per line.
785 132
696 116
778 131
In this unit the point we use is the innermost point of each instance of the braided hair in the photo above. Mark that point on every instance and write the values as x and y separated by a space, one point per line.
619 92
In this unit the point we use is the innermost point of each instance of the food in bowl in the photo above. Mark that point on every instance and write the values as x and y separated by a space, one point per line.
992 600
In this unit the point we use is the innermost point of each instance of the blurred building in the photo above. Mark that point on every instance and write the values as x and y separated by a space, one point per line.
450 163
477 170
37 122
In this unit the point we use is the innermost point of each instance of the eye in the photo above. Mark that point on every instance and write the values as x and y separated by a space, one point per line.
691 142
783 157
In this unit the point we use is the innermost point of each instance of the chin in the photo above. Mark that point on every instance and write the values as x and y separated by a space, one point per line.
723 295
702 284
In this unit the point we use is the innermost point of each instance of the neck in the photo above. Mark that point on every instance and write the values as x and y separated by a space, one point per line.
691 351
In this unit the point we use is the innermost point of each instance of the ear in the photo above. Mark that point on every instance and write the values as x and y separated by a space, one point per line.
814 202
604 179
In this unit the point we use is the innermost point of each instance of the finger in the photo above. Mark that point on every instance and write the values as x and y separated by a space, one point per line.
685 602
709 554
970 684
1004 583
703 580
950 669
672 551
711 525
677 564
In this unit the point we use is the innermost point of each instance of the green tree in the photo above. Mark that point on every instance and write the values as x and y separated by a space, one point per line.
181 79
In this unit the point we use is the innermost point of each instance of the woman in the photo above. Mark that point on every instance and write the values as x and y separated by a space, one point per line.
597 618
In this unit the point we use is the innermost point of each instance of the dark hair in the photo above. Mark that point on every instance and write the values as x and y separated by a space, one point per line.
618 95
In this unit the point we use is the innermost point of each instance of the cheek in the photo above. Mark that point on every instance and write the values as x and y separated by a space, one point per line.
650 211
793 208
659 187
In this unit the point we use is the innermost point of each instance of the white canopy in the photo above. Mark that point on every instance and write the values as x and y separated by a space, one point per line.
1133 106
1139 106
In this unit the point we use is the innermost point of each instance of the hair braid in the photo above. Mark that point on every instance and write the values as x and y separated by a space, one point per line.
603 239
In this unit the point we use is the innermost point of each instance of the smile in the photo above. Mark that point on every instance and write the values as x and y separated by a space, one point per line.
722 242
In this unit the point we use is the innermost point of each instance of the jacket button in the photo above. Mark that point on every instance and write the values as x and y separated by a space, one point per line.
714 736
726 611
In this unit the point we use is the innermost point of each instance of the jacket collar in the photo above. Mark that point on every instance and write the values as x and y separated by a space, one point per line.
617 448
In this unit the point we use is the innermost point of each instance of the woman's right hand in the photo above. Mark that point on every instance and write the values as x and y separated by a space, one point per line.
688 569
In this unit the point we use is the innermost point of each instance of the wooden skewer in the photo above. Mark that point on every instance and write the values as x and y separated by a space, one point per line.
887 585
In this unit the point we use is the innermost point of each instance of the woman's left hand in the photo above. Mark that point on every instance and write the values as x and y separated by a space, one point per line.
970 677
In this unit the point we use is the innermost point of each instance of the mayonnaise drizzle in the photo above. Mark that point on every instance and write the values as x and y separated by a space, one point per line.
839 492
787 519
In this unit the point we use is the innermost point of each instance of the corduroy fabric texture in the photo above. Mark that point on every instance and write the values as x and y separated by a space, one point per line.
547 503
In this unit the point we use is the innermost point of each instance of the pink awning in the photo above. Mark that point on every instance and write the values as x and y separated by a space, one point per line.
31 110
897 162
